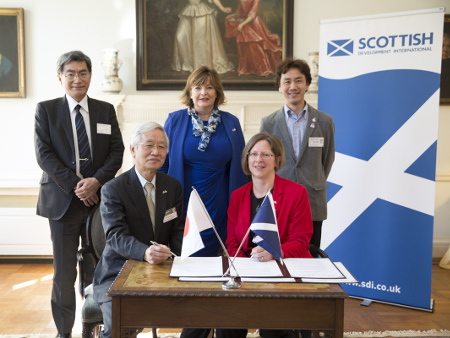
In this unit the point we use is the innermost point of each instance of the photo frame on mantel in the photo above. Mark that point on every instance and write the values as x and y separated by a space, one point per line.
12 53
170 46
445 70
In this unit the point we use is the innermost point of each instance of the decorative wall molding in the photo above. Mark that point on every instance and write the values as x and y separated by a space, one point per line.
26 233
443 177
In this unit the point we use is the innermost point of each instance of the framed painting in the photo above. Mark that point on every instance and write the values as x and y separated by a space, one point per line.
12 53
445 70
243 40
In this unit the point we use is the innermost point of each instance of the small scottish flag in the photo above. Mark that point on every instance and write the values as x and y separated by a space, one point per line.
340 47
265 227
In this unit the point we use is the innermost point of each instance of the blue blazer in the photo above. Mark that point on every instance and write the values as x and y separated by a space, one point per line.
176 127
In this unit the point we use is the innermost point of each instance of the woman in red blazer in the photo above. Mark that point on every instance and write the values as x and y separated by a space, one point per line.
262 157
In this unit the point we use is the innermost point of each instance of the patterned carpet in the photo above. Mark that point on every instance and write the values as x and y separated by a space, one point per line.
368 334
387 334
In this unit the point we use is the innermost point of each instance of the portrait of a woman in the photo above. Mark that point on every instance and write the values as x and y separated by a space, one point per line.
259 50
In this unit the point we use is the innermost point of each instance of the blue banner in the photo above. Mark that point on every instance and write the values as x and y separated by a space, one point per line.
379 78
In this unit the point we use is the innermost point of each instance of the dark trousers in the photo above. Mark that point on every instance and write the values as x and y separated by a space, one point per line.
242 333
317 235
65 235
195 333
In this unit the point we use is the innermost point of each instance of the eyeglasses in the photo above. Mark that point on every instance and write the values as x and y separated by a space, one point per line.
263 155
150 146
72 76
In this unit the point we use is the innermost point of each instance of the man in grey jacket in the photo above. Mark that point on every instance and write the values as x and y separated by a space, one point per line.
308 138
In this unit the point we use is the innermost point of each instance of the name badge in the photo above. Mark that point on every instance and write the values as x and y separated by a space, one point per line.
103 128
316 142
170 215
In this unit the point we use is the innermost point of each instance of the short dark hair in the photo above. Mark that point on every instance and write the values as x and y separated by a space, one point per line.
285 65
74 55
275 145
198 77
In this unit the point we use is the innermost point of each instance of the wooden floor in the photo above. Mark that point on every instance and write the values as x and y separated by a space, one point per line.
25 305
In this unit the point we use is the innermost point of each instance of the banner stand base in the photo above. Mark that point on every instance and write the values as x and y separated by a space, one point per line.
368 301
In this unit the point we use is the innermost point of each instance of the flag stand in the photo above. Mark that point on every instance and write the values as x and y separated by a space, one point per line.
231 284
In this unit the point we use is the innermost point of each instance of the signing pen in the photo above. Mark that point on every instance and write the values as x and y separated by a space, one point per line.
154 243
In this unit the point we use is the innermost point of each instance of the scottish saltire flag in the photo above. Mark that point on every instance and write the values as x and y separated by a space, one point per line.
382 185
265 227
197 219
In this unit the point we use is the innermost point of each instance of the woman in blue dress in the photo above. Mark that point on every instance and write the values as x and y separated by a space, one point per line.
205 148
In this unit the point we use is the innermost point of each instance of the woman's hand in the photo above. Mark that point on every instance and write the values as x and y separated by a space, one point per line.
246 22
261 254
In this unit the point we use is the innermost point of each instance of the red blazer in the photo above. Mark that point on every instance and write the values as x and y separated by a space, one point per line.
293 218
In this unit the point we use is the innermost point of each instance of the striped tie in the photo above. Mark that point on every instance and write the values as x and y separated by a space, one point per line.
84 149
148 196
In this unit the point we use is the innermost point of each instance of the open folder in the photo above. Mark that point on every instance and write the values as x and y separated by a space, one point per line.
296 269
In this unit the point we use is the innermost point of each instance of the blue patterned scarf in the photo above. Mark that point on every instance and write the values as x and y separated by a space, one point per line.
201 130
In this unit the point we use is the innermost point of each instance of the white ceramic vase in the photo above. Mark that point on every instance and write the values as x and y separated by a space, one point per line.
314 65
111 64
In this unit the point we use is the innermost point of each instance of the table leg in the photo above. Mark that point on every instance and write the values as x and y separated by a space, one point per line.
116 330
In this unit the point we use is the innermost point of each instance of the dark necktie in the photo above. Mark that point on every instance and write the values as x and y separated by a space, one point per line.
84 149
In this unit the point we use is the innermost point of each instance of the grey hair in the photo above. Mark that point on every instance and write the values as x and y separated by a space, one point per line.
74 55
142 129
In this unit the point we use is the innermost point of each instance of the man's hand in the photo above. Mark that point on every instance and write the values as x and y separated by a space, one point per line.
86 190
90 201
156 254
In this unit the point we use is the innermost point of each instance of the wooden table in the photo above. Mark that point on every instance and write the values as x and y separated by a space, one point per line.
144 295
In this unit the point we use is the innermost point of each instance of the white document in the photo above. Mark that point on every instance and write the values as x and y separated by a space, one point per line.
267 280
203 279
312 268
250 267
197 267
348 277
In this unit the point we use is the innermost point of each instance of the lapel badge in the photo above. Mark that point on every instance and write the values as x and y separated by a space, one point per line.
164 192
234 129
314 119
312 125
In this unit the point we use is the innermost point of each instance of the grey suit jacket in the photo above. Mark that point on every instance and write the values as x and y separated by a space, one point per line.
127 224
55 152
314 164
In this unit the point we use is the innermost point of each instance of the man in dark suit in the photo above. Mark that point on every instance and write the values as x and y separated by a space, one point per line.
137 207
79 148
308 138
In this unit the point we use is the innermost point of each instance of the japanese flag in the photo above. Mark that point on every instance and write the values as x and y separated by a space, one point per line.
197 220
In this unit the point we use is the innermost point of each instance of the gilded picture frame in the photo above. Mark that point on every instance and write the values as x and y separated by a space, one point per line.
169 46
12 53
445 69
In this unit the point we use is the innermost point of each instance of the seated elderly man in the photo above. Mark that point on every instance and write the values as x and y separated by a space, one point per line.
137 207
